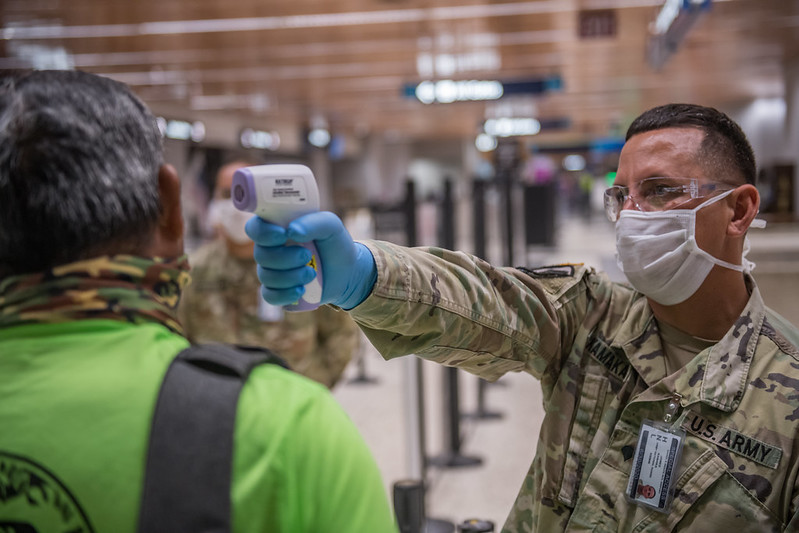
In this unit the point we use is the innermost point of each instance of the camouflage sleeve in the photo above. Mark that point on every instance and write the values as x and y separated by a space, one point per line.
200 324
204 309
793 525
458 310
185 306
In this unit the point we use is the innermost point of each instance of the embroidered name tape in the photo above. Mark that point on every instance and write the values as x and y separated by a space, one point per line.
749 447
613 359
554 271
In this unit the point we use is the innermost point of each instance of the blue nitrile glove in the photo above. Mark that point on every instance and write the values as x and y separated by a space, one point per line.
348 268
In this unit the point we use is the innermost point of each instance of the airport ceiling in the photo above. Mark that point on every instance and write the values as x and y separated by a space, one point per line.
579 66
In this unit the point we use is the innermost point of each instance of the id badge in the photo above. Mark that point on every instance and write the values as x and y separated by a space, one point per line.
655 464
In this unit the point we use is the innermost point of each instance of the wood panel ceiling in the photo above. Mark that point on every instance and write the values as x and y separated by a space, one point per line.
348 60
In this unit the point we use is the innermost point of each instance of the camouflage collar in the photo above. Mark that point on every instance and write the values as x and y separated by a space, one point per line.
728 362
123 287
718 375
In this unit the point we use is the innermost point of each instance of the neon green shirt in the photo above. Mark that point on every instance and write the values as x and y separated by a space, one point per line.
76 400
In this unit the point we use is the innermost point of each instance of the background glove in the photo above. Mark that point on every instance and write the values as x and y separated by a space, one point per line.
348 268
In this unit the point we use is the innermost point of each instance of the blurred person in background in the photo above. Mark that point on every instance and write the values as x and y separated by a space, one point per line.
92 266
224 304
670 402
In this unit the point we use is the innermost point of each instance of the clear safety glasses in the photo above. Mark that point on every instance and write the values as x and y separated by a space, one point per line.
659 194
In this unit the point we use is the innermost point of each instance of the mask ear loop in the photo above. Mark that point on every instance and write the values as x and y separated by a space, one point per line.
748 265
711 201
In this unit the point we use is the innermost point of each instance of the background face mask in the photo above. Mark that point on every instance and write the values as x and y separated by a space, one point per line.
658 253
223 214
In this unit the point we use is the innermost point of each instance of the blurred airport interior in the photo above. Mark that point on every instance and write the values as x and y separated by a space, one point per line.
490 127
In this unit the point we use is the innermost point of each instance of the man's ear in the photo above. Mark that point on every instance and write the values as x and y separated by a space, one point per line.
745 206
169 233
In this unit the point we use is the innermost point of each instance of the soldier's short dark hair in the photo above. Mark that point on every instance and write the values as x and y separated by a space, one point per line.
725 150
79 163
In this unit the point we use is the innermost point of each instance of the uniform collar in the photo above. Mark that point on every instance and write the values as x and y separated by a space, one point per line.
727 364
718 375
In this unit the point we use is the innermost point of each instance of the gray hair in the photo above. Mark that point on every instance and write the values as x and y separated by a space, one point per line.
79 162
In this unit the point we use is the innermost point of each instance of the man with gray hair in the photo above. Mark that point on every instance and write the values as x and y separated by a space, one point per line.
91 270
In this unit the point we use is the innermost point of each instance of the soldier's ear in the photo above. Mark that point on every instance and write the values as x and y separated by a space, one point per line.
745 204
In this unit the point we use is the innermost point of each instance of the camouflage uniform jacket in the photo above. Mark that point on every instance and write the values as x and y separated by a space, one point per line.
223 304
596 349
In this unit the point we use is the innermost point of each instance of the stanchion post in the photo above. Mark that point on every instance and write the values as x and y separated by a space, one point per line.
451 457
362 377
479 231
416 374
409 505
416 405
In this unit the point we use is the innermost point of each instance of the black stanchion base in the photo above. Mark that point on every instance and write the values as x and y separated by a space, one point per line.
483 415
363 380
452 460
433 525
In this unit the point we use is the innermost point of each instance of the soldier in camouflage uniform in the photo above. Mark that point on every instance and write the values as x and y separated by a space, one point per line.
223 303
703 356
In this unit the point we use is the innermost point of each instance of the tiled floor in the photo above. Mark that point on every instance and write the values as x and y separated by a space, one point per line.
506 446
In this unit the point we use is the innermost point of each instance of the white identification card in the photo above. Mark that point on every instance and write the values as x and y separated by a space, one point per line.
655 463
268 312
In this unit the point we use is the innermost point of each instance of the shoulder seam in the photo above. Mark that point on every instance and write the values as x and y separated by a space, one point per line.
782 343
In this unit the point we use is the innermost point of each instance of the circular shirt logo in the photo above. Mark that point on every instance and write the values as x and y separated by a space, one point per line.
33 500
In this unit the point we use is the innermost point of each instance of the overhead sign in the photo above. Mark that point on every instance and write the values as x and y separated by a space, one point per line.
263 140
672 9
448 91
511 127
521 126
669 29
181 130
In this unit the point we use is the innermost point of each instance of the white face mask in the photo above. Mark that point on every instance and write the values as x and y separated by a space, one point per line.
223 214
658 253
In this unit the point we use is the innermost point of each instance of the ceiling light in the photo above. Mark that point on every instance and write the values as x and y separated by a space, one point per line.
574 162
319 137
448 91
386 16
510 127
263 140
485 142
181 130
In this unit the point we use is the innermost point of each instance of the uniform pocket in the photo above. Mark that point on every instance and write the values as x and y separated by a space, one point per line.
606 507
586 421
725 505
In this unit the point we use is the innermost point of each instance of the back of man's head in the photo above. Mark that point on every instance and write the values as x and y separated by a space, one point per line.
725 152
79 162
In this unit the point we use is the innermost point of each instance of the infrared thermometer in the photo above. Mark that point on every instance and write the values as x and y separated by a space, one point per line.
279 194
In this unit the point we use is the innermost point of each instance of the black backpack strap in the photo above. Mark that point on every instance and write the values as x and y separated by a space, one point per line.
190 459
